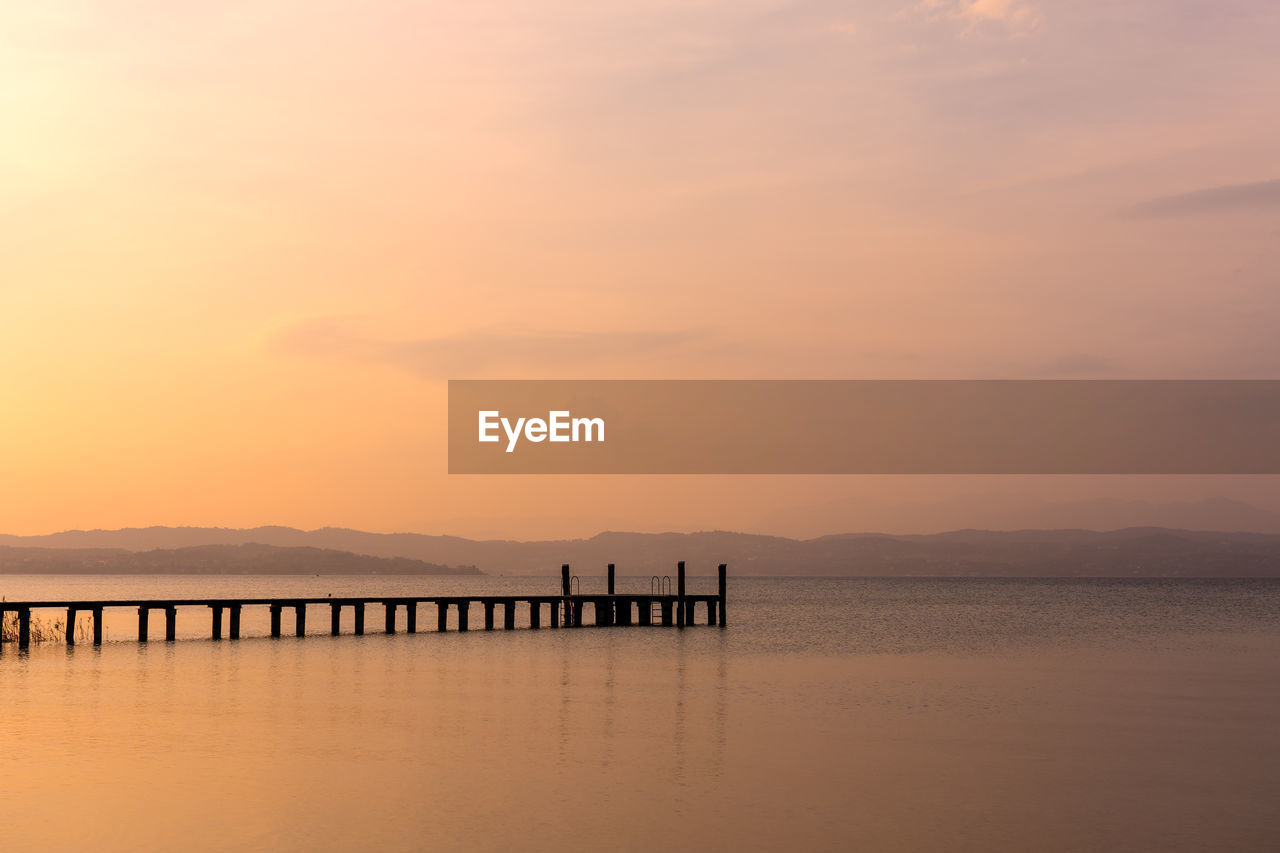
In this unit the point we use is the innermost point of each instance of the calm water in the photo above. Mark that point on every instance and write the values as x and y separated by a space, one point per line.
831 714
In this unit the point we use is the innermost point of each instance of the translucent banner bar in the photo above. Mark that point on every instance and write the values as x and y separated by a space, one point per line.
864 427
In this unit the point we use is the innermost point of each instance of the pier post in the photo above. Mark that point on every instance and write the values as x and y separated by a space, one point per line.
535 614
464 610
390 608
359 608
217 621
97 626
555 614
577 614
711 612
645 615
611 578
665 606
508 614
411 617
234 632
335 619
724 587
275 620
622 611
143 613
681 613
300 619
170 623
24 627
488 615
71 626
442 616
602 612
564 590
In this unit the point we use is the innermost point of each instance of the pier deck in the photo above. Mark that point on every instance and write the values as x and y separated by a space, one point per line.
669 609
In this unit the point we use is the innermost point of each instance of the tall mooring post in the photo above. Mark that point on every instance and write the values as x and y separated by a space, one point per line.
611 616
724 587
564 590
680 614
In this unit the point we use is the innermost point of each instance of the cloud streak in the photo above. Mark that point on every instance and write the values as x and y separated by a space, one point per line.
1258 195
476 353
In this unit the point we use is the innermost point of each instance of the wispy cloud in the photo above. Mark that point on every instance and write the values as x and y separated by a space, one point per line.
1253 196
476 353
1017 17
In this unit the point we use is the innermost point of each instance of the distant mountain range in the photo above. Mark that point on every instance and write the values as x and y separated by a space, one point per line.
1012 511
1132 552
247 558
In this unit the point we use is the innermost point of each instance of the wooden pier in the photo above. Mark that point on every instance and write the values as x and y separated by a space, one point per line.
660 607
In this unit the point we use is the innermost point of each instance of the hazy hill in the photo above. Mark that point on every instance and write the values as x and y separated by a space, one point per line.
1011 511
214 559
1133 552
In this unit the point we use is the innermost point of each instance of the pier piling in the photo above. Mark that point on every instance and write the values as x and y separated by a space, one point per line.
300 620
217 621
359 609
411 617
442 616
681 612
335 619
390 607
71 626
464 610
488 615
275 620
170 623
97 626
143 613
234 632
724 588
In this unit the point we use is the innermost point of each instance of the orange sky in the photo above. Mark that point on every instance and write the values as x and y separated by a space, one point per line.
242 245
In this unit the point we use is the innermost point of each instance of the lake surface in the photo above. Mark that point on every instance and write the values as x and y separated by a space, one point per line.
830 714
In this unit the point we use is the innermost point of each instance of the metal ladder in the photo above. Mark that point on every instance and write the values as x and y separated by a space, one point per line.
658 586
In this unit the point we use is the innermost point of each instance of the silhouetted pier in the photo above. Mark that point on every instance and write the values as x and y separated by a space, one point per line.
661 606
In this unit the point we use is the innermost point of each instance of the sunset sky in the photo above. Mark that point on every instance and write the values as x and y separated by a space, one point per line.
243 245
